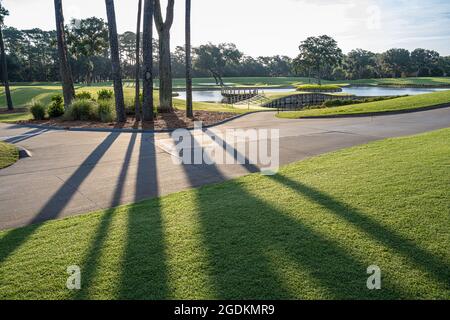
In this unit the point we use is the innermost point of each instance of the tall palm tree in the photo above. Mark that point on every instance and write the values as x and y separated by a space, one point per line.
189 107
165 64
115 61
138 63
3 13
66 73
147 107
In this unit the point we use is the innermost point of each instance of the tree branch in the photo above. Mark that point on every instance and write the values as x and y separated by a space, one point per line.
160 24
158 16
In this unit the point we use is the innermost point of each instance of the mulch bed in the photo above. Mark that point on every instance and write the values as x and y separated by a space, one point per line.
162 122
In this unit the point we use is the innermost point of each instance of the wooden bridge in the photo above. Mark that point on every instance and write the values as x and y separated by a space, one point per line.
236 95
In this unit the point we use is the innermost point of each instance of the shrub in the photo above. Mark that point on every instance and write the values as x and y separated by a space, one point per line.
130 108
83 110
56 108
38 110
84 95
58 99
105 94
106 111
338 103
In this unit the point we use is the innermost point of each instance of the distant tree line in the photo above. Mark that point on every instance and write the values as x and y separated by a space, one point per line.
32 56
321 58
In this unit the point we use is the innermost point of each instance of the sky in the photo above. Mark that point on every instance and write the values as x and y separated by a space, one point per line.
271 27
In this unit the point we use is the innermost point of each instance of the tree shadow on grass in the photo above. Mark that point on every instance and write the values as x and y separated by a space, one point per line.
58 202
434 266
144 265
91 261
239 238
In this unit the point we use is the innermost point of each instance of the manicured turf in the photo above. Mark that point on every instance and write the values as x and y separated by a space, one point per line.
309 232
8 155
391 105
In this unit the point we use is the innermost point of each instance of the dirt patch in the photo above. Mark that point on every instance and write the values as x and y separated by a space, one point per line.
162 122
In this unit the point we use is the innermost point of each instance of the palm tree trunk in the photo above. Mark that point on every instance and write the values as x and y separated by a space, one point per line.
148 107
138 64
115 61
165 73
189 103
66 73
165 64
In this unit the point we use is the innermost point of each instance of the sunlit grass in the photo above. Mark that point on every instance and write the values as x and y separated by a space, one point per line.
8 155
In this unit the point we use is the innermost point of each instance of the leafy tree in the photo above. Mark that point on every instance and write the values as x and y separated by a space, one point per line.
444 65
397 62
4 65
179 62
66 73
360 64
115 61
165 65
276 66
214 59
424 61
319 53
88 38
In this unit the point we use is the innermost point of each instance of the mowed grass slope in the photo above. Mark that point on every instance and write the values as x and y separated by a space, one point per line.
391 105
309 232
8 155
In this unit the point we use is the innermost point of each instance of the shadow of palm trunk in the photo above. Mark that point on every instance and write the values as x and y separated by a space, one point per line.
144 269
90 265
434 266
58 202
242 239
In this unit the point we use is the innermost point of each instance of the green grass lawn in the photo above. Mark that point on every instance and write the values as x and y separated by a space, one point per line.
309 232
391 105
8 155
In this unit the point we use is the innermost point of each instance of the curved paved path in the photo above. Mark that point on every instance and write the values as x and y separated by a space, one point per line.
77 172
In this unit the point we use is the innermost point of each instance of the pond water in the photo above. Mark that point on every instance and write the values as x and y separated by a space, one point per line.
216 96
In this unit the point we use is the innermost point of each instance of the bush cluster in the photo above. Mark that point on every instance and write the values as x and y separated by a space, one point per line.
106 111
56 107
89 110
38 111
84 95
105 94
